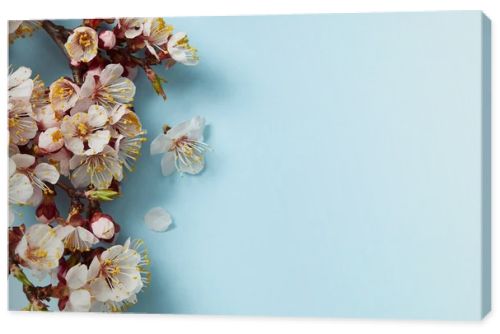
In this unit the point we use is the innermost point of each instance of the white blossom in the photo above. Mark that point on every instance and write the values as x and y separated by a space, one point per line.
156 33
40 248
24 166
63 94
107 89
182 147
82 44
86 128
98 169
120 273
179 49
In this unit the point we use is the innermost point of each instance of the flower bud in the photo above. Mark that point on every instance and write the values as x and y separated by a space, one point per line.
47 211
103 226
107 39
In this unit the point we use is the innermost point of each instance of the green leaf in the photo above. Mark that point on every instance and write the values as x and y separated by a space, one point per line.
156 81
102 194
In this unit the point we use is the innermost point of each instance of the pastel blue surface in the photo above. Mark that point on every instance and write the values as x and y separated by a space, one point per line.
349 173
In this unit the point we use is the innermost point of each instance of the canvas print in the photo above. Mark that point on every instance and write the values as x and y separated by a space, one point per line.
305 165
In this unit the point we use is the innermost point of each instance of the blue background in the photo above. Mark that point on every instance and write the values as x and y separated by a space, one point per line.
346 173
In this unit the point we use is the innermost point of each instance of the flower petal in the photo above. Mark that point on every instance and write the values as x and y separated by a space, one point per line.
76 277
160 144
20 75
36 198
100 290
157 219
47 172
63 231
97 141
168 163
94 268
79 301
110 73
23 91
98 116
194 167
23 160
86 236
80 178
20 189
12 167
197 126
117 112
75 145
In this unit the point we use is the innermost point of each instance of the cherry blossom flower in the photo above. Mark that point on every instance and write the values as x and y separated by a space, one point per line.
179 49
131 27
40 248
47 118
106 89
183 147
22 125
38 174
77 238
88 132
77 279
97 170
39 95
156 33
82 44
124 121
20 188
63 94
129 149
21 29
86 129
157 219
20 84
121 272
51 140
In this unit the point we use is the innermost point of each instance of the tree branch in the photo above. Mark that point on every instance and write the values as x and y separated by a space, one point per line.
59 35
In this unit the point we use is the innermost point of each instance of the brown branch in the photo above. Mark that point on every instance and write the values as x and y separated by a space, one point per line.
35 295
59 35
72 192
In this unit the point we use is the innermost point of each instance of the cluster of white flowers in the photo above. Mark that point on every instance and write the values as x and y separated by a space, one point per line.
79 134
111 281
152 33
85 133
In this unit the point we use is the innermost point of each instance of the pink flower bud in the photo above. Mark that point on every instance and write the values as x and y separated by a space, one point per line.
103 226
47 211
108 39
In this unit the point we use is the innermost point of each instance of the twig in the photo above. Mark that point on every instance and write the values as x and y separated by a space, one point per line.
60 34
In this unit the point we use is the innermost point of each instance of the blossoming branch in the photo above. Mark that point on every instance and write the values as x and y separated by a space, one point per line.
75 137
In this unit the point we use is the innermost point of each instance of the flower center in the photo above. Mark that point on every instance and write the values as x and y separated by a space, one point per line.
13 122
110 268
84 40
37 254
82 129
56 136
63 91
183 42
